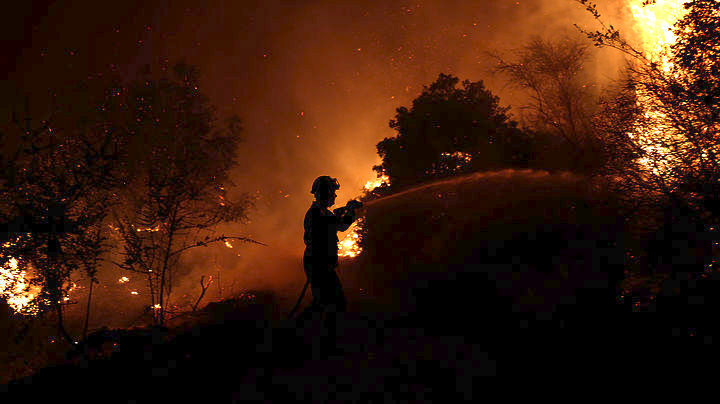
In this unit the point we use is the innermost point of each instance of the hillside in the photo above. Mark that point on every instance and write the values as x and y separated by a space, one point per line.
507 273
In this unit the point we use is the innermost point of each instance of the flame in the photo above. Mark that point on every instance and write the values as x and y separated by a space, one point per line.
654 25
124 279
349 247
15 288
370 185
228 245
157 307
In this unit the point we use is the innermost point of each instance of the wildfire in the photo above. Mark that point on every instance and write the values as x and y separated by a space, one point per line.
124 279
348 246
654 24
16 289
370 185
228 245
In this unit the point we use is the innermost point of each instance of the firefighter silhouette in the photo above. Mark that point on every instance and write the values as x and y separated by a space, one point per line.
321 252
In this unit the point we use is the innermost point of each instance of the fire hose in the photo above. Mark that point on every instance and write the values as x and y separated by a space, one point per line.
351 206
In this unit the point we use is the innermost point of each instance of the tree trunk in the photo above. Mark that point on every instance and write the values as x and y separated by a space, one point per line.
61 325
87 310
161 310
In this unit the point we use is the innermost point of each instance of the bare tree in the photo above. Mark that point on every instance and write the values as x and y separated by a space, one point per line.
178 169
562 96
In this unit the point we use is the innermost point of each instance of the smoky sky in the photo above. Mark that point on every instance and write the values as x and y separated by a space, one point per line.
314 82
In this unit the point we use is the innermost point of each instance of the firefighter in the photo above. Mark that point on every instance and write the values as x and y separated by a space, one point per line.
321 253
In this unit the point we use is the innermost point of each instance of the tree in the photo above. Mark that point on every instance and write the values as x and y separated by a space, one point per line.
562 100
177 165
450 130
666 117
58 180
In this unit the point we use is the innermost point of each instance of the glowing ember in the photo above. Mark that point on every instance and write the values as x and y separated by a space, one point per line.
133 293
150 229
124 279
157 307
455 161
228 245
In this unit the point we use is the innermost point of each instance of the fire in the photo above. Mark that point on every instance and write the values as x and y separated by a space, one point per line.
370 185
150 229
348 246
124 279
228 245
654 25
16 289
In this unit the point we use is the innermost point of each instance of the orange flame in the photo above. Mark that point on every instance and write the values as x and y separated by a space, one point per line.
654 24
16 289
370 185
348 246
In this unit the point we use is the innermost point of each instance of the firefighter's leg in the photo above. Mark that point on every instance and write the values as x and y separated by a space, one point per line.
315 306
335 306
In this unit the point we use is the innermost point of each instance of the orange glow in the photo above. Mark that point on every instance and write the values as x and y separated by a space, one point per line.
654 24
348 246
370 185
16 289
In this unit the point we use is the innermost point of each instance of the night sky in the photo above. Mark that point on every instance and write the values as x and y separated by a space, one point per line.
315 82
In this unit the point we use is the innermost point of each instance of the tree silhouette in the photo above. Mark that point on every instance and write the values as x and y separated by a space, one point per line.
450 130
177 165
662 123
56 192
562 100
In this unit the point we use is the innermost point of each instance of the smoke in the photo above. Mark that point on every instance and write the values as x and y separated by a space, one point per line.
315 83
344 69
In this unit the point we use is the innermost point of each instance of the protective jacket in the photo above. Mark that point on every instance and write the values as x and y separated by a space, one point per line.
321 227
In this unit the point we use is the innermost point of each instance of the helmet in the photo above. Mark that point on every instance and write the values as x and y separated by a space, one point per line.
324 182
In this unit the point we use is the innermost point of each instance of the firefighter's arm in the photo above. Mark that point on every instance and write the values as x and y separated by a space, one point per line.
347 215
